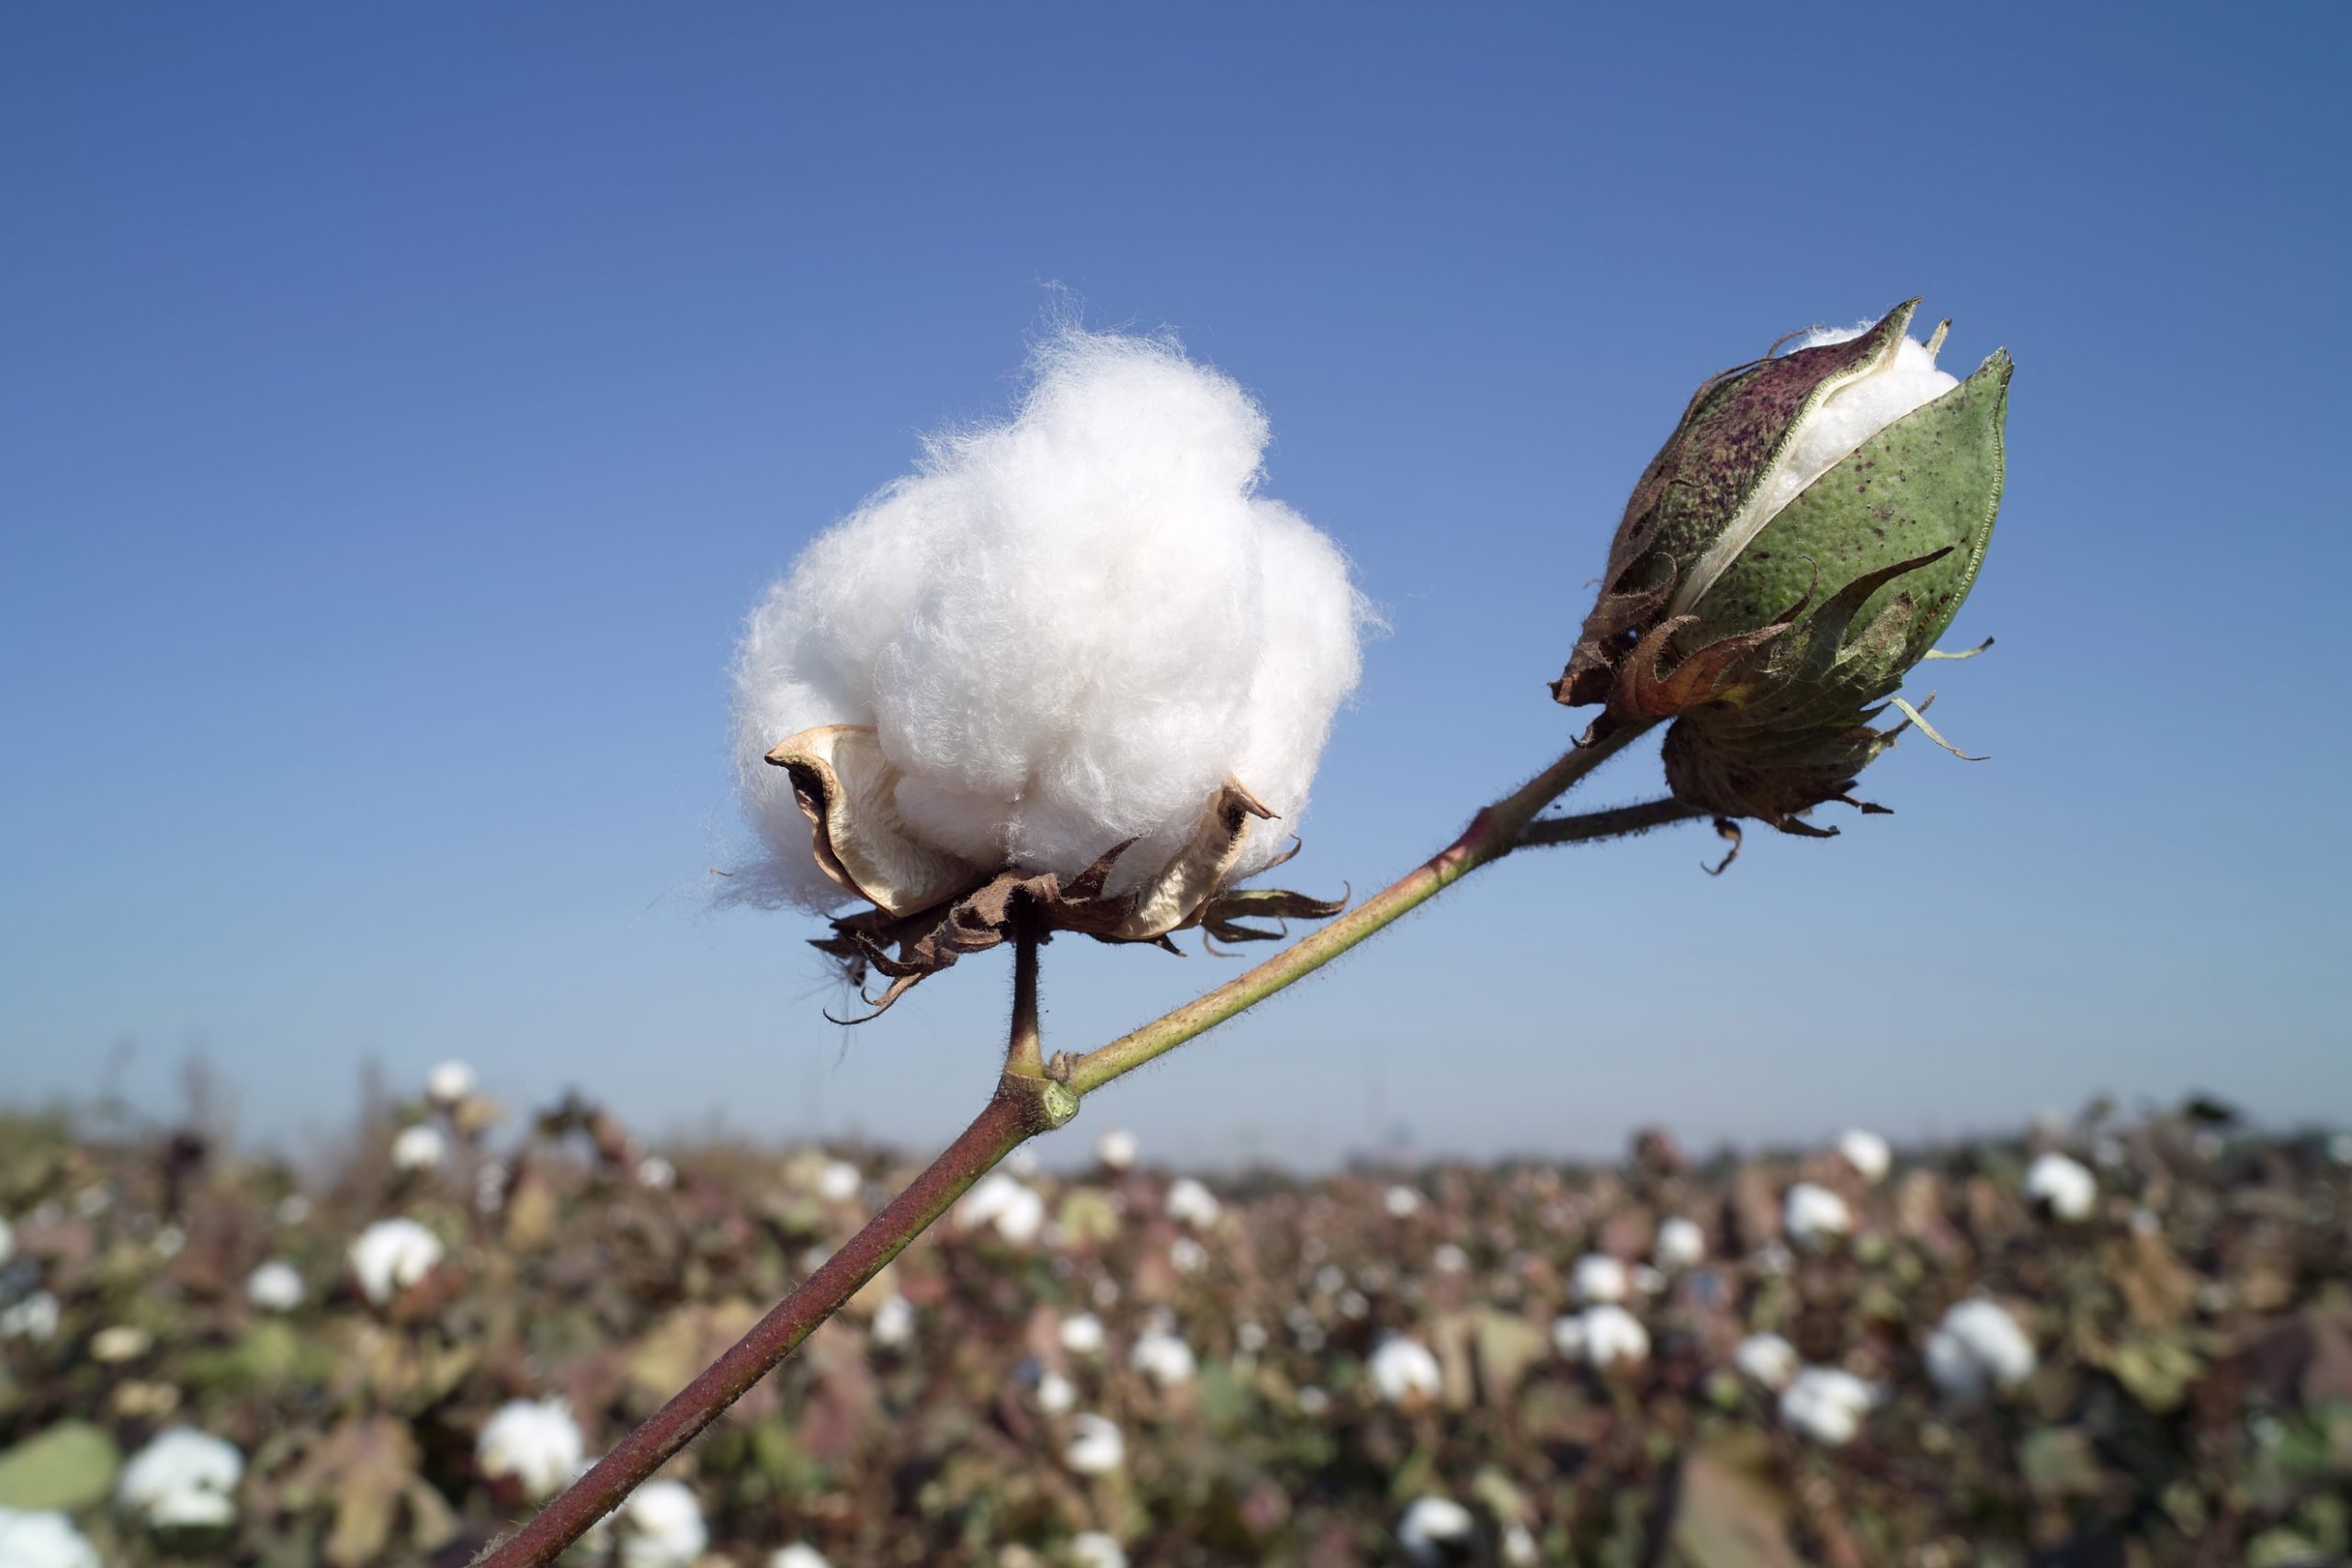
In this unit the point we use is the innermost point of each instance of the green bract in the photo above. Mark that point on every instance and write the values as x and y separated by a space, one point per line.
1772 631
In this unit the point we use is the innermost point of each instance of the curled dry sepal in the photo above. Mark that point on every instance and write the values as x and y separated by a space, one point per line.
1794 550
930 907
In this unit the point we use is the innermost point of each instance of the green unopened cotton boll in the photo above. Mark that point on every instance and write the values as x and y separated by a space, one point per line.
1794 550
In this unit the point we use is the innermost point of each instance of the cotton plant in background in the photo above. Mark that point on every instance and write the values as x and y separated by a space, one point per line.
1075 658
1815 1216
392 1255
1867 1153
1978 1346
182 1479
2062 1187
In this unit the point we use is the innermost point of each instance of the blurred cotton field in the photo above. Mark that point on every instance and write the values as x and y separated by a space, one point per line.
2098 1343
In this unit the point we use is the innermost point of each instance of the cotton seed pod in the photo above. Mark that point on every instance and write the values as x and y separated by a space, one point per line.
1796 548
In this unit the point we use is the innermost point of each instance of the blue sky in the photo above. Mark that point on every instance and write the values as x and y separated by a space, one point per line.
402 407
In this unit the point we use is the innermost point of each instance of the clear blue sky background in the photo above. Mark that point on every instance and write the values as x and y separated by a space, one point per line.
399 407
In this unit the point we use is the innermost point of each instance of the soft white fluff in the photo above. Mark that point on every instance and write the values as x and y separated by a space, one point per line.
43 1539
1081 1334
1767 1358
448 1083
1403 1369
1096 1548
2065 1186
1116 1149
1057 1395
1601 1336
662 1527
1978 1345
1813 1215
276 1286
1068 629
535 1442
1194 1204
419 1147
1096 1446
1680 1244
1402 1202
894 1322
182 1477
656 1174
1163 1357
1827 1404
800 1554
1842 422
1598 1278
1433 1526
840 1181
391 1255
1002 1202
1867 1153
35 1318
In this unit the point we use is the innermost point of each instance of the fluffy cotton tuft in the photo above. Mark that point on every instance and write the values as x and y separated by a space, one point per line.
2063 1186
391 1255
1682 1244
840 1181
536 1442
1601 1336
1433 1527
1978 1344
800 1554
448 1083
1068 629
1116 1149
1001 1201
1193 1203
1827 1404
1096 1446
662 1527
419 1147
1081 1334
276 1286
1867 1153
1767 1358
182 1477
1096 1548
1813 1215
1856 412
43 1539
894 1322
1598 1278
1403 1370
1163 1357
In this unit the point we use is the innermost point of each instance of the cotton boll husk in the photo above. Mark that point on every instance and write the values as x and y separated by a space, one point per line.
1854 412
1068 630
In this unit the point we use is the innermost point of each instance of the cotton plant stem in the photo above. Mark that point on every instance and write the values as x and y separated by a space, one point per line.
1018 1110
1024 1105
1025 1054
1618 822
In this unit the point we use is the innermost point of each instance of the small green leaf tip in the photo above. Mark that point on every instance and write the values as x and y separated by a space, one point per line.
1804 538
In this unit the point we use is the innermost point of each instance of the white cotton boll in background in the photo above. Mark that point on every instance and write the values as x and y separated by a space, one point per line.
1601 1336
391 1255
33 1320
1767 1358
534 1441
840 1181
1000 1201
1978 1344
1191 1202
2063 1186
1867 1153
1117 1149
182 1477
1402 1202
1403 1369
1163 1357
2340 1148
276 1286
1827 1404
1433 1529
1068 629
894 1322
1450 1260
1094 1549
1057 1395
1250 1337
1815 1216
1598 1278
448 1083
1096 1446
1081 1334
1680 1244
1519 1550
662 1527
800 1554
656 1174
43 1539
419 1147
1187 1256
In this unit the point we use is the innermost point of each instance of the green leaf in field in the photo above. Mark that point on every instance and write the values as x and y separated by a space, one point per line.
68 1466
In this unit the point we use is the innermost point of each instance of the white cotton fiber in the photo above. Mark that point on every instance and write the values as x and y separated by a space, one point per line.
1069 630
1855 412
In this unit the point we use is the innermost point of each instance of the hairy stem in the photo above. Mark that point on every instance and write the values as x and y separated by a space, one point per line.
1618 822
1016 1112
1025 1104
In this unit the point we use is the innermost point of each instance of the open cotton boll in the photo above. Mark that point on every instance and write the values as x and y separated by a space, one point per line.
418 1148
1116 1149
1767 1358
1815 1216
1434 1529
1193 1203
1976 1345
1867 1153
662 1527
1403 1370
1827 1404
1096 1548
2065 1187
391 1255
1854 412
275 1286
182 1477
1069 630
1016 1211
1081 1334
1163 1357
534 1441
894 1322
448 1083
1598 1278
1682 1244
43 1539
800 1554
1096 1446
